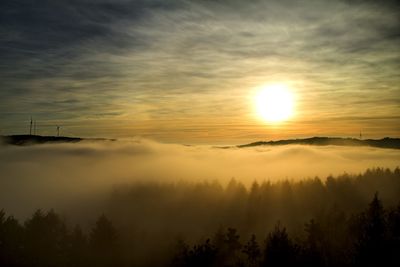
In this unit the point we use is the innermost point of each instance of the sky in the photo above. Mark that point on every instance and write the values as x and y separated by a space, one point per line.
187 71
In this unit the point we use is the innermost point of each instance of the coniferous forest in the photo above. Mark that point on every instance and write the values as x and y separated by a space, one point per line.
349 220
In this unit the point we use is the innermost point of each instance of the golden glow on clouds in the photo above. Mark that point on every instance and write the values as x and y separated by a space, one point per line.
182 71
275 103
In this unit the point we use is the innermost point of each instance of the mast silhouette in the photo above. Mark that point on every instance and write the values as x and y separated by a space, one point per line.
30 127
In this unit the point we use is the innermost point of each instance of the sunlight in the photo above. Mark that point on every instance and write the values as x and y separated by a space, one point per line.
274 103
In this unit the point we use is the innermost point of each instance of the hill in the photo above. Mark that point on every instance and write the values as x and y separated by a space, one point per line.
38 139
386 142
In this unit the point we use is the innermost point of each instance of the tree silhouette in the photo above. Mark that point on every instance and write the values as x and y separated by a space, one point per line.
11 241
232 246
394 236
227 246
219 243
78 248
46 239
279 249
371 239
103 243
312 254
232 240
252 251
346 229
202 255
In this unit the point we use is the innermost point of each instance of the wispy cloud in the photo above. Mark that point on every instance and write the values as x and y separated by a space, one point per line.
144 64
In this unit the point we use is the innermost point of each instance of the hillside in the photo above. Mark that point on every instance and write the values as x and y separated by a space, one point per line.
21 140
37 139
386 142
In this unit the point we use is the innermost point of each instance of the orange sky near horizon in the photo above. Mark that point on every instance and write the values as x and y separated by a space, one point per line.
188 71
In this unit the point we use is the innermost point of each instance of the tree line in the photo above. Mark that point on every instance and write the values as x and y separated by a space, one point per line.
45 240
338 221
369 238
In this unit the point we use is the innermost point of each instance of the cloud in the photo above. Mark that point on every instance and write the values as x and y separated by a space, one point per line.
73 177
154 61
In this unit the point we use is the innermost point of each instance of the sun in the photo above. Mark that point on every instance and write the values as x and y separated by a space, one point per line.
274 103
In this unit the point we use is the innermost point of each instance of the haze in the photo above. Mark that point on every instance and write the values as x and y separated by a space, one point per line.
66 176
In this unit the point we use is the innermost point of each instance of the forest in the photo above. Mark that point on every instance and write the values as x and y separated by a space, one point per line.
347 220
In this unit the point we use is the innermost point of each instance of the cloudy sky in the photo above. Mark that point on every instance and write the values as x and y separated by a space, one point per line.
187 71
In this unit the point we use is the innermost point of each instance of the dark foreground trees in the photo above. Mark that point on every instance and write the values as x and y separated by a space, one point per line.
44 240
370 238
337 222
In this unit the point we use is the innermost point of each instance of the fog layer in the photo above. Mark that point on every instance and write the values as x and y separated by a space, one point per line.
75 176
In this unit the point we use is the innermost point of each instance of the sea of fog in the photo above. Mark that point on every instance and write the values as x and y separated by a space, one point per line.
70 177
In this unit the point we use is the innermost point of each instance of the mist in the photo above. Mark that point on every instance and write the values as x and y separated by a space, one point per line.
70 176
158 193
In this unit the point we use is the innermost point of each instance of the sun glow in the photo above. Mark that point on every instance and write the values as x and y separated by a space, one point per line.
274 103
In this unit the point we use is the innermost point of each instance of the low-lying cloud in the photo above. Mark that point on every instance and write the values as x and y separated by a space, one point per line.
74 176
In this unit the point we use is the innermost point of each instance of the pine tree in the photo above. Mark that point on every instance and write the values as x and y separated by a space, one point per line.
104 243
252 251
279 249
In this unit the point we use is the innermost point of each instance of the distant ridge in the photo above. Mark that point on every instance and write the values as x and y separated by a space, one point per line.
27 139
386 142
